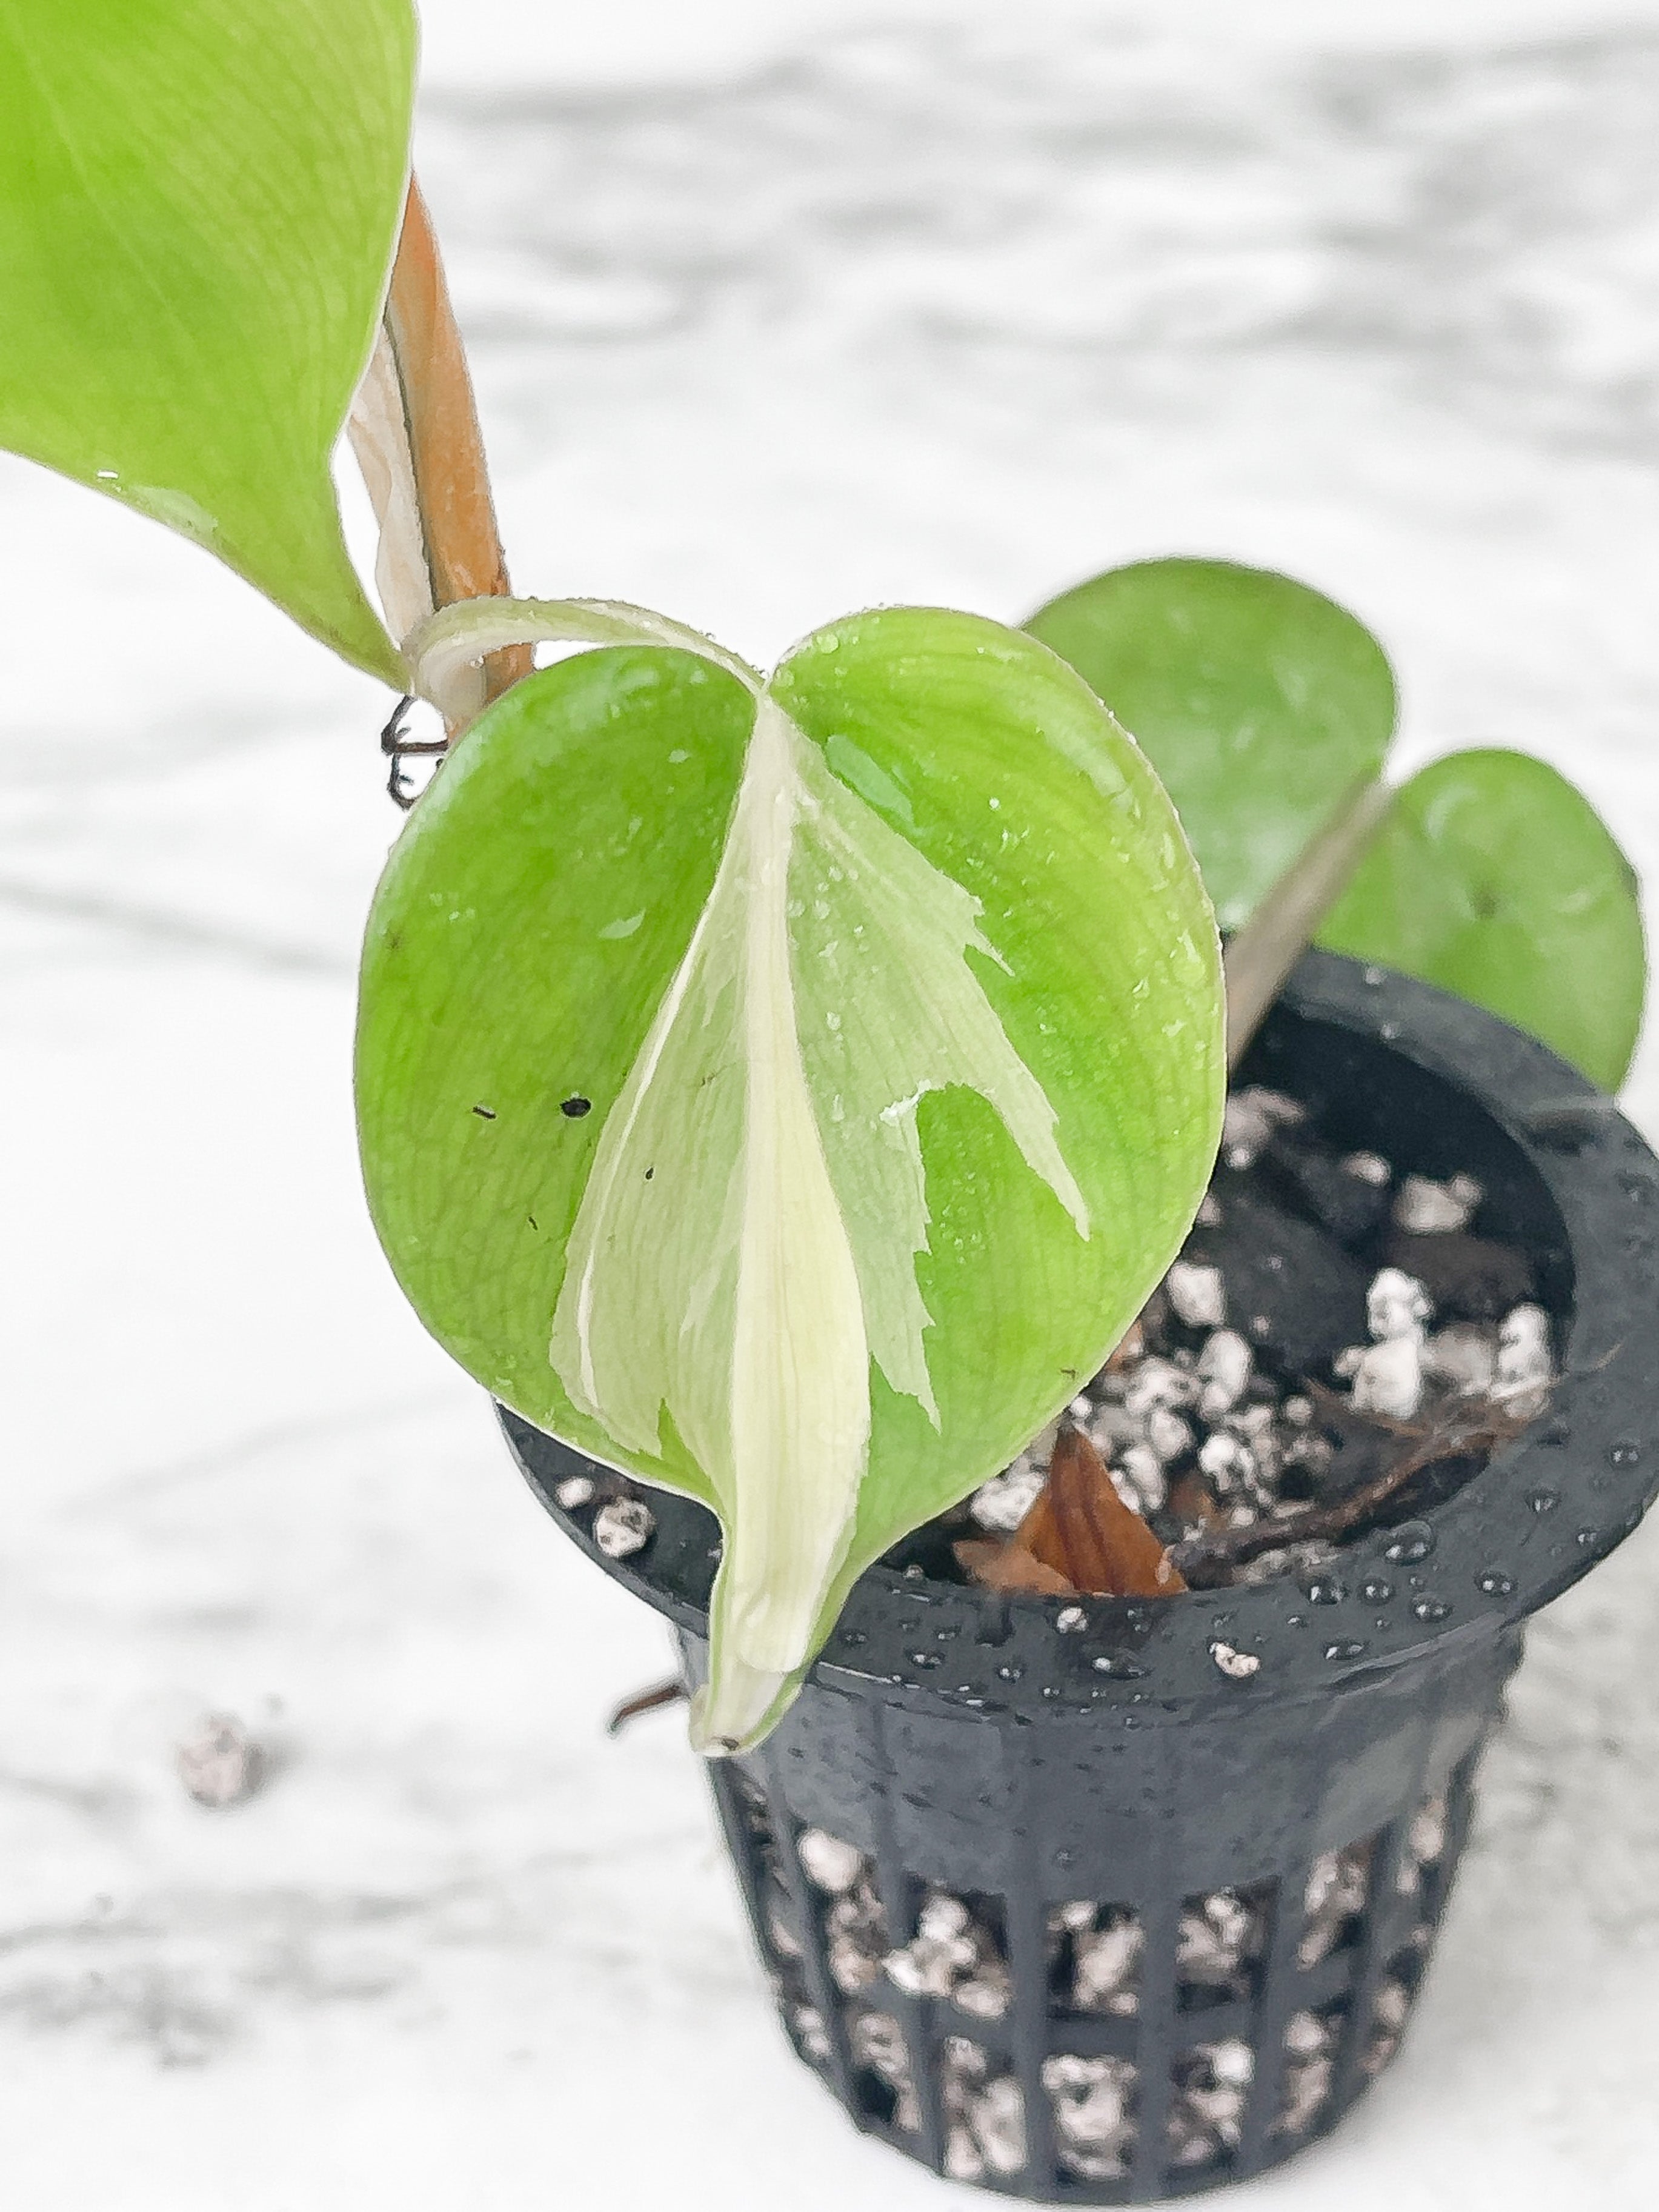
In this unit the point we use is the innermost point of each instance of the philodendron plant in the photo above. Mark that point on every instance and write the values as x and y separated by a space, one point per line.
785 1087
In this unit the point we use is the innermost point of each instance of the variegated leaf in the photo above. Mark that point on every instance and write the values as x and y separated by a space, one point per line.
893 995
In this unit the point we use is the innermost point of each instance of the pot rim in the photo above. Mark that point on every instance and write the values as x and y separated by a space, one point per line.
1542 1512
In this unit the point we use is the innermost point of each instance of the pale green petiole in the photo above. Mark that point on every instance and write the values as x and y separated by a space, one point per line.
443 649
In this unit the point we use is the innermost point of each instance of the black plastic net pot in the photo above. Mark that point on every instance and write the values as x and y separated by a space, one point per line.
1106 1902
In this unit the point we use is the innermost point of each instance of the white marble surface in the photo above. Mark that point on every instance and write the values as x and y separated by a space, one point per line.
774 317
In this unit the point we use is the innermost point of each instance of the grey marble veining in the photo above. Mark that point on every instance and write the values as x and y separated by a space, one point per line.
1482 222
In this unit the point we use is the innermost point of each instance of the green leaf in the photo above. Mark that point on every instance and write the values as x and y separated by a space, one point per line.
789 1092
198 205
1494 878
1260 704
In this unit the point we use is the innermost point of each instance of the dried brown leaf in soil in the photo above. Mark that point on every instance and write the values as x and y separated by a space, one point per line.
1000 1564
1078 1538
1081 1527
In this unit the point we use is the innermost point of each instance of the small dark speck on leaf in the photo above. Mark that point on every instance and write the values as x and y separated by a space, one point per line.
532 1219
649 1173
574 1108
485 1113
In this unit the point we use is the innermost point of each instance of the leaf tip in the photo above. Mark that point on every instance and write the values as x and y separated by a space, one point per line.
734 1709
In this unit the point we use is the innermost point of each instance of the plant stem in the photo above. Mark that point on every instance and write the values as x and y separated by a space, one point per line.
1260 956
460 543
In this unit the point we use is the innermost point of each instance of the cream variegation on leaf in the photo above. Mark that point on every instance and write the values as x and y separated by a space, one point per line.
787 1184
751 1287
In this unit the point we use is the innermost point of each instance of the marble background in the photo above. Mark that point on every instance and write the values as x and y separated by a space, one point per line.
776 311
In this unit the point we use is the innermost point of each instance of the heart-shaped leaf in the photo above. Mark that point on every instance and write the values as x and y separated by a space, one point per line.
198 205
1260 704
1494 878
788 1091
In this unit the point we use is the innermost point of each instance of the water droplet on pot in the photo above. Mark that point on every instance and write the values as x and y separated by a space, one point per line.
1373 978
1430 1608
1070 1619
1114 1663
1011 1671
1133 1720
1325 1590
1388 1031
1588 1536
926 1659
1236 1666
1412 1540
853 1636
1351 1647
1625 1455
1495 1582
1051 1689
1295 1620
947 1631
1376 1591
913 1573
1543 1501
1063 1857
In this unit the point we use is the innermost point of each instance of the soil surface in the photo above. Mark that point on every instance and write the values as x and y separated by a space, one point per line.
1339 1346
